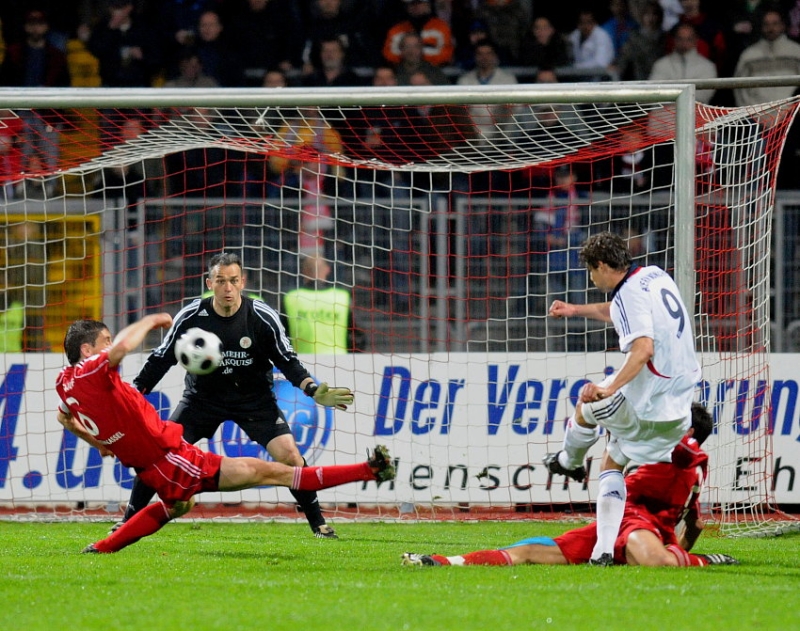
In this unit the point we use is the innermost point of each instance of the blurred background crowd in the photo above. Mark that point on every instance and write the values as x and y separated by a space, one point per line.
205 43
342 43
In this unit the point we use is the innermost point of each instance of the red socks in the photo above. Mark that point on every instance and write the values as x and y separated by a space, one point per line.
317 478
481 557
143 523
686 559
487 557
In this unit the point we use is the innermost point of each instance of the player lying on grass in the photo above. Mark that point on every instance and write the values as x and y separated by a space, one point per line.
661 498
111 415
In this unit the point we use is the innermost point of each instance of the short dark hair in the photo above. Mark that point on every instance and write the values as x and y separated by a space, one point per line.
608 248
702 423
222 259
79 333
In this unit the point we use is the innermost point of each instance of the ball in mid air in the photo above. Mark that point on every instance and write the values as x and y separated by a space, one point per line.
199 351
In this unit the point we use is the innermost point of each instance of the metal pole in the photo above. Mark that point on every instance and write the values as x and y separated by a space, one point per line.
684 198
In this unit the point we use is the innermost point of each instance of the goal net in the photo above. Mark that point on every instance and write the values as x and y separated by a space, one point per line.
453 217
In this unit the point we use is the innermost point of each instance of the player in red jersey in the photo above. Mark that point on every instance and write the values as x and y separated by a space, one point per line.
113 416
661 498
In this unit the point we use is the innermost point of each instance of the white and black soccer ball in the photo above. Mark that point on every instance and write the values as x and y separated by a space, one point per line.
199 351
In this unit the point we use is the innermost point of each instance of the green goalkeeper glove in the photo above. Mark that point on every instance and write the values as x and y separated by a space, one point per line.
329 397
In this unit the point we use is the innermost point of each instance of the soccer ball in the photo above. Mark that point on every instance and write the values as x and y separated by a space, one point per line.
199 351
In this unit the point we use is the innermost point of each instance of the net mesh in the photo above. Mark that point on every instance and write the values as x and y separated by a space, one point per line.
453 225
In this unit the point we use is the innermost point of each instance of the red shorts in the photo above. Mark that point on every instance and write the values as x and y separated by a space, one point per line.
182 472
577 545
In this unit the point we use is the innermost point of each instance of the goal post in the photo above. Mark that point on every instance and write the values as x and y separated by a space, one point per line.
453 215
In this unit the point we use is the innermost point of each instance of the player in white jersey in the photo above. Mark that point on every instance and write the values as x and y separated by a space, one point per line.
645 405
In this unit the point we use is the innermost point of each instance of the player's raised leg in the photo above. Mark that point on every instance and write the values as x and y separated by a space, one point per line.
243 473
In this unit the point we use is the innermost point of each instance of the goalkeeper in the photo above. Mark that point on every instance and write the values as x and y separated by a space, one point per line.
241 389
662 499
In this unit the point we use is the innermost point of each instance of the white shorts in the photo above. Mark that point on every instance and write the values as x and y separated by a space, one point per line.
632 439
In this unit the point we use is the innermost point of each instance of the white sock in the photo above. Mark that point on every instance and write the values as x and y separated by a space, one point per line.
577 441
610 507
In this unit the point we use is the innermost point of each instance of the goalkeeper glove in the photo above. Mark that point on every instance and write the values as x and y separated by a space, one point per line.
329 397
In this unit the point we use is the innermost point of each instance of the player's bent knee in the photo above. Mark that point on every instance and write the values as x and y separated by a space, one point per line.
645 548
181 508
580 419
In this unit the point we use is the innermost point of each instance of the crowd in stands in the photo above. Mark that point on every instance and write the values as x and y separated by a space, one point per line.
203 43
344 43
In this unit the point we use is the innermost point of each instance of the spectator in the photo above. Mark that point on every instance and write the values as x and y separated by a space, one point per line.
353 27
268 34
413 61
670 9
330 68
555 122
544 47
633 170
710 37
216 55
190 73
685 62
644 46
772 55
368 131
489 120
791 9
507 21
466 30
177 22
591 45
318 316
620 25
435 129
293 175
742 24
672 13
35 63
201 172
565 235
132 180
464 55
379 133
11 128
266 121
12 323
487 67
434 35
125 48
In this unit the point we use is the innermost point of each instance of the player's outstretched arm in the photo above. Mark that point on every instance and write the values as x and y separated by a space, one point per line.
131 337
594 311
69 422
328 397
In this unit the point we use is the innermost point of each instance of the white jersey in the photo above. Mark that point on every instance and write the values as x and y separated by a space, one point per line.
648 304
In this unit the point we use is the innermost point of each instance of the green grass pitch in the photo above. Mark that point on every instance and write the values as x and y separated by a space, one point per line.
276 576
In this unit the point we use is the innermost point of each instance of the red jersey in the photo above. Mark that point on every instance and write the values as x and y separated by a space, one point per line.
657 497
115 413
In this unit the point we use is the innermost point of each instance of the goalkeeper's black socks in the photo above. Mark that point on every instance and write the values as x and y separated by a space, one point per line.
309 504
141 494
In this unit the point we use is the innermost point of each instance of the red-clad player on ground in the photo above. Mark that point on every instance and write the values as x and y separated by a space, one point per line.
660 497
111 415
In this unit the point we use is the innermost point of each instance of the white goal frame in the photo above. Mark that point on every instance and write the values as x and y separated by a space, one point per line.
682 95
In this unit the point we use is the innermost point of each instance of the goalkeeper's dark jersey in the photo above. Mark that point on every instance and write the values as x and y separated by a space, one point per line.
253 340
